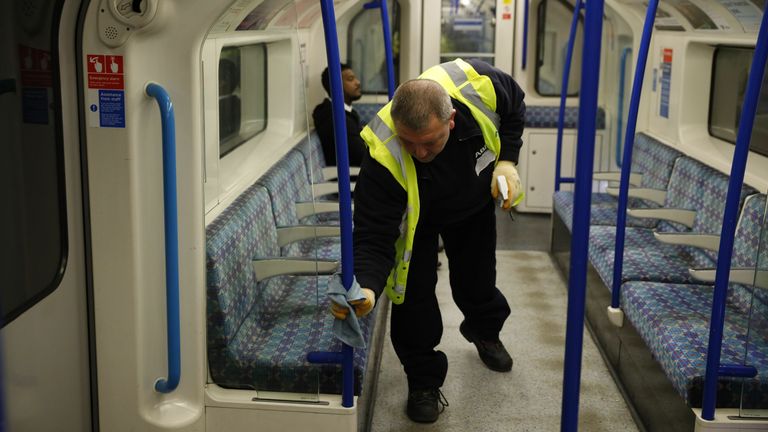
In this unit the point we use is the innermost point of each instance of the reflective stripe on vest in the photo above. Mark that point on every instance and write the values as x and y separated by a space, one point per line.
462 83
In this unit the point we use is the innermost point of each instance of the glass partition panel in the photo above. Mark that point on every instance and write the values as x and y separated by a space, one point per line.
467 30
366 48
554 23
754 396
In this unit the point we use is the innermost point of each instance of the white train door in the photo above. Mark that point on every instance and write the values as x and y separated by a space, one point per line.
480 29
43 295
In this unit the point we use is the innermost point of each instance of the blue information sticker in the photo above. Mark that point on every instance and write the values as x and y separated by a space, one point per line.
34 105
112 108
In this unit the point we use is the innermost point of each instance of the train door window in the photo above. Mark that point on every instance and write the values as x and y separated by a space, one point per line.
33 220
242 95
730 71
467 30
366 48
553 23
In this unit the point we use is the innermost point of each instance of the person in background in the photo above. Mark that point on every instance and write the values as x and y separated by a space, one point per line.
438 154
323 117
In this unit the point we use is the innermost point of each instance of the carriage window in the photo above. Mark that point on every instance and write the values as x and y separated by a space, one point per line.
468 30
33 219
729 81
366 48
554 23
242 95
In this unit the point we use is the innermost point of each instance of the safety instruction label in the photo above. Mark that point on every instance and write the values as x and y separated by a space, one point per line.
106 91
666 81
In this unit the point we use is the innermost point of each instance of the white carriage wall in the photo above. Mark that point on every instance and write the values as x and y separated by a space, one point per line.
686 127
125 180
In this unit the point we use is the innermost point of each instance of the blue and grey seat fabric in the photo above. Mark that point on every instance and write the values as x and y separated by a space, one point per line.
650 158
261 329
673 319
545 117
367 111
287 185
692 186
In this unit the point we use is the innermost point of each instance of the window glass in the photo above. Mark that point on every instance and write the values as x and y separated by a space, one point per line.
366 48
554 25
729 81
467 30
33 225
242 95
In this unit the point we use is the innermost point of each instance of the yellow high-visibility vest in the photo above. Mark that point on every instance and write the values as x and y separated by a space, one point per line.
462 83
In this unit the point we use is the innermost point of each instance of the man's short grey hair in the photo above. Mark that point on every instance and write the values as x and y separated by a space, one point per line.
416 100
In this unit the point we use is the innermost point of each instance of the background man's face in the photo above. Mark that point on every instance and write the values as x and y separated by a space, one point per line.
352 89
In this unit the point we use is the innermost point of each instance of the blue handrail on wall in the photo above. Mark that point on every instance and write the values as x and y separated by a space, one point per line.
168 123
388 54
345 357
731 213
564 95
525 34
620 116
585 151
629 143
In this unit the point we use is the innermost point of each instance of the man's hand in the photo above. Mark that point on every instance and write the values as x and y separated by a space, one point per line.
509 172
362 306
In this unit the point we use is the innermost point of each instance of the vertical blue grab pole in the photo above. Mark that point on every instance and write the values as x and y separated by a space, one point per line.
345 194
620 110
525 34
171 238
731 213
629 143
574 333
388 49
564 92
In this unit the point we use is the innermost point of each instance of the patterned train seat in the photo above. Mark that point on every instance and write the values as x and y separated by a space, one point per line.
259 332
650 158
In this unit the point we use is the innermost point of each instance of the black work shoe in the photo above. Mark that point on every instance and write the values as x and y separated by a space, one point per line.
492 352
424 406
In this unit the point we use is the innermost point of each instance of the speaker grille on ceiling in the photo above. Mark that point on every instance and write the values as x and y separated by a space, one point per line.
111 32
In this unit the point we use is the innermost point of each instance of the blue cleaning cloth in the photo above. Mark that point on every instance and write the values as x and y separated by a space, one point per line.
347 330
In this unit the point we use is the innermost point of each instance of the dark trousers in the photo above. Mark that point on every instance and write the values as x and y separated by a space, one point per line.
417 325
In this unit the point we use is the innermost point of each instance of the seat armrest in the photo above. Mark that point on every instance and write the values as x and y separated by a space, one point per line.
328 188
703 241
744 276
304 209
287 235
635 179
331 173
685 217
267 268
656 195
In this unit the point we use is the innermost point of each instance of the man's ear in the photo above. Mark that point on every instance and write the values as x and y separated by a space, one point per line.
452 123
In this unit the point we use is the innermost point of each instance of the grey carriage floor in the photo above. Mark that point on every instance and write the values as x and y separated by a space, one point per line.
529 397
527 231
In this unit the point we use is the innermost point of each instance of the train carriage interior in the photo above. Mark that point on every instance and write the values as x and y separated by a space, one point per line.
175 233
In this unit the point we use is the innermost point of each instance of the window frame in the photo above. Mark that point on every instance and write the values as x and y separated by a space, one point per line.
395 13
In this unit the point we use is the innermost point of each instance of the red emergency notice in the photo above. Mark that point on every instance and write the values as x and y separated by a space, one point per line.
105 72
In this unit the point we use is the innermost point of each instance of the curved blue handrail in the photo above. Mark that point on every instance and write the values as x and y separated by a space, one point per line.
388 54
564 95
620 115
525 34
163 385
731 213
629 143
577 280
345 193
